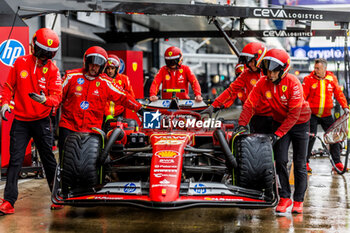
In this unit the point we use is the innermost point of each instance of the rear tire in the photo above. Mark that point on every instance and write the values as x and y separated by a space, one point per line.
255 163
79 163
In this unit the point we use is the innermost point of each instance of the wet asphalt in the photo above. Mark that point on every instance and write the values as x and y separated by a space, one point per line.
326 209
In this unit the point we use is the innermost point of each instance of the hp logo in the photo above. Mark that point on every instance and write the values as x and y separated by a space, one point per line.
10 50
84 105
122 66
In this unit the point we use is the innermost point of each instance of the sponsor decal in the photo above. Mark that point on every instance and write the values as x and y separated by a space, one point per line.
189 102
163 191
181 70
45 69
282 14
79 88
49 42
167 77
166 103
167 161
110 62
170 53
166 154
151 120
98 84
96 92
159 175
253 82
200 188
120 82
282 33
164 185
81 81
84 105
129 188
134 66
314 86
122 66
166 170
11 50
239 94
268 94
165 181
42 80
168 142
24 74
284 88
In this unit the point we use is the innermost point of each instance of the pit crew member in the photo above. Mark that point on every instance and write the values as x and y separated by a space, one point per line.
174 75
34 83
291 115
85 94
251 55
121 80
319 87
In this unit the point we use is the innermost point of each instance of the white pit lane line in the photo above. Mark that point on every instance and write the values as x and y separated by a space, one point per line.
19 182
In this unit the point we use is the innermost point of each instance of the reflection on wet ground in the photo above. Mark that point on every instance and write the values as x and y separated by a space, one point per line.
326 209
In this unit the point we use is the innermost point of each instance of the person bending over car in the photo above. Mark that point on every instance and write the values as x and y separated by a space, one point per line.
251 55
85 94
34 82
291 115
319 87
121 80
174 75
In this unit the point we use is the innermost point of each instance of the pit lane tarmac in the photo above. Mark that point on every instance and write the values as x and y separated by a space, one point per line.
326 209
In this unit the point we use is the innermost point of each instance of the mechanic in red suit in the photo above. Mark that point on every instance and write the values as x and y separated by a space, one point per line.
291 114
319 87
251 55
85 94
35 84
121 80
174 75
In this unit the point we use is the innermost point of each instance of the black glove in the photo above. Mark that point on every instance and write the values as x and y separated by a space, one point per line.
274 138
240 129
209 110
141 111
5 108
38 98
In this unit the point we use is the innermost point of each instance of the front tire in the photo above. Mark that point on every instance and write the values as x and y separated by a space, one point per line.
79 163
255 162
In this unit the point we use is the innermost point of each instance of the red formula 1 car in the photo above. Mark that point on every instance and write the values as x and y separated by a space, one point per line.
176 159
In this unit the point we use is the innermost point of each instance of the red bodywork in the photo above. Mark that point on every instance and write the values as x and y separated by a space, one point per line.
167 186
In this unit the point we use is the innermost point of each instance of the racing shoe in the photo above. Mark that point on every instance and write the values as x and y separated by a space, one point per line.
56 207
297 207
6 207
308 168
283 204
340 166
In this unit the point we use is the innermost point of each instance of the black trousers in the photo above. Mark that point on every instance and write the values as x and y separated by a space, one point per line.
261 124
299 137
325 122
21 132
63 134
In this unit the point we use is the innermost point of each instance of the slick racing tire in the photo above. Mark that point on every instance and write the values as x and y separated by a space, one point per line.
79 163
254 155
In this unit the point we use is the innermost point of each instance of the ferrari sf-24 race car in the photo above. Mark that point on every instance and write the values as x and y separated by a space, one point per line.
175 159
